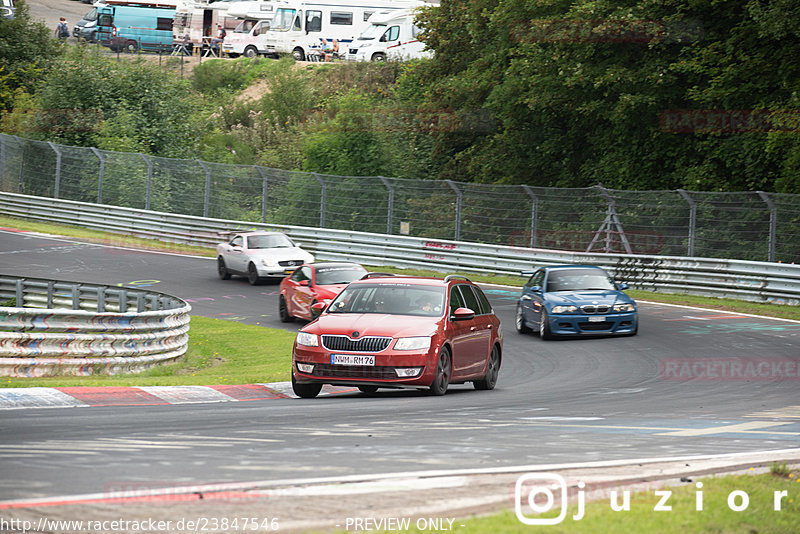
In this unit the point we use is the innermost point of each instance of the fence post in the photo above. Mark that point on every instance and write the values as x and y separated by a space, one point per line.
534 213
773 223
102 158
57 186
21 179
207 192
2 158
391 204
459 197
322 199
264 185
692 219
149 180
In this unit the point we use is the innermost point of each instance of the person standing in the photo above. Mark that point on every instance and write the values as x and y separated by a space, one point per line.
62 28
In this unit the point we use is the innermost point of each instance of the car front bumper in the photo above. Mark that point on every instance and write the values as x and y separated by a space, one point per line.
578 324
384 373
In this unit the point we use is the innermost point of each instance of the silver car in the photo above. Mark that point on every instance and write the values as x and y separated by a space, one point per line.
260 255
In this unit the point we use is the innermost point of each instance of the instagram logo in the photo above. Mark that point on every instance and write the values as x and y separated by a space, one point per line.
538 493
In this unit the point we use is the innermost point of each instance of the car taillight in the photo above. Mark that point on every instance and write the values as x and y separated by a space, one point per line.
113 31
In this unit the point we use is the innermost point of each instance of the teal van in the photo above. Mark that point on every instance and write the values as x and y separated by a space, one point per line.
133 26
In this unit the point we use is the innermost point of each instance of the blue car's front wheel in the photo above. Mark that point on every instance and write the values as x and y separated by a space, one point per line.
544 326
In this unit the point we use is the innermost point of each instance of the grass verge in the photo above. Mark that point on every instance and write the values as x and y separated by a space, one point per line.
220 352
716 514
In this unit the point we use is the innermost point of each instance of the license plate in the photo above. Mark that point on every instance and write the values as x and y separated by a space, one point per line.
288 271
597 319
352 359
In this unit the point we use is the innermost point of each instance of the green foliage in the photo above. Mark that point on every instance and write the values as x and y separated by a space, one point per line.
578 93
217 75
27 50
88 99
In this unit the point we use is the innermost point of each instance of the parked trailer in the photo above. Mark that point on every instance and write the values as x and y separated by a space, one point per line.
196 20
301 28
391 35
133 26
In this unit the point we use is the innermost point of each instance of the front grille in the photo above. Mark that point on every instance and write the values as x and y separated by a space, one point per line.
364 344
354 371
596 326
589 309
290 263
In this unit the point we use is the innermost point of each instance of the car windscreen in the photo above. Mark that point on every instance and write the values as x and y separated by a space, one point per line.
269 241
327 276
391 299
579 280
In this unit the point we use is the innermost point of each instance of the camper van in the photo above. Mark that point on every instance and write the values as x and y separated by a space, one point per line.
247 38
390 36
135 26
302 28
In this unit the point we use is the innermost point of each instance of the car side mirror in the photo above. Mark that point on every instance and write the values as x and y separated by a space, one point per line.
304 283
319 307
623 286
463 314
536 289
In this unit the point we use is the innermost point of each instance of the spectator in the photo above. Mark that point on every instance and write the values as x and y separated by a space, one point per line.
215 42
62 29
330 52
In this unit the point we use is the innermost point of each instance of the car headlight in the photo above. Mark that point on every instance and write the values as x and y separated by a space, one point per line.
565 309
268 263
623 307
413 343
307 340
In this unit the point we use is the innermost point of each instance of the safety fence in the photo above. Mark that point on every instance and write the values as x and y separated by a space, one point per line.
753 225
51 327
746 280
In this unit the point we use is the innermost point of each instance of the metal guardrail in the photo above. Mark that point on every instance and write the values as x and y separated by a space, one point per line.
745 280
49 327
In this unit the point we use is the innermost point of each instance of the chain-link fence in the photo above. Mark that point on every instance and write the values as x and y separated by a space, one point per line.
744 225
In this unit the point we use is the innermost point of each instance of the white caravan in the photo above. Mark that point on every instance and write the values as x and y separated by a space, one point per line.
300 28
196 20
390 36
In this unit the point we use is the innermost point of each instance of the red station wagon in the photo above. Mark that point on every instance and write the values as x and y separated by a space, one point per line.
400 331
312 283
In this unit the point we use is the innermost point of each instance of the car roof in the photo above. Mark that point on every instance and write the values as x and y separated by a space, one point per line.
258 232
413 280
560 267
335 264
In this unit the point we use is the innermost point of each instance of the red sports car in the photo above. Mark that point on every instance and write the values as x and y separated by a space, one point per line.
312 283
398 331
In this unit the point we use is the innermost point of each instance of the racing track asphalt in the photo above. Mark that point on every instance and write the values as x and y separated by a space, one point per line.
578 400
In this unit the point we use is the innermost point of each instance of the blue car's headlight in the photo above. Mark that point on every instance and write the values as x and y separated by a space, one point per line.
564 309
623 307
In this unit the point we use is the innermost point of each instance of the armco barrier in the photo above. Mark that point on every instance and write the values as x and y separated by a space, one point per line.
49 328
746 280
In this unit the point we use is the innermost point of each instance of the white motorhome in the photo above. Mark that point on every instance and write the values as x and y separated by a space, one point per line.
247 38
301 28
390 35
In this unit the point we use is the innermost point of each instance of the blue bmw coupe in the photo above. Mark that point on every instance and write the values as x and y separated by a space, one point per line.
570 300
